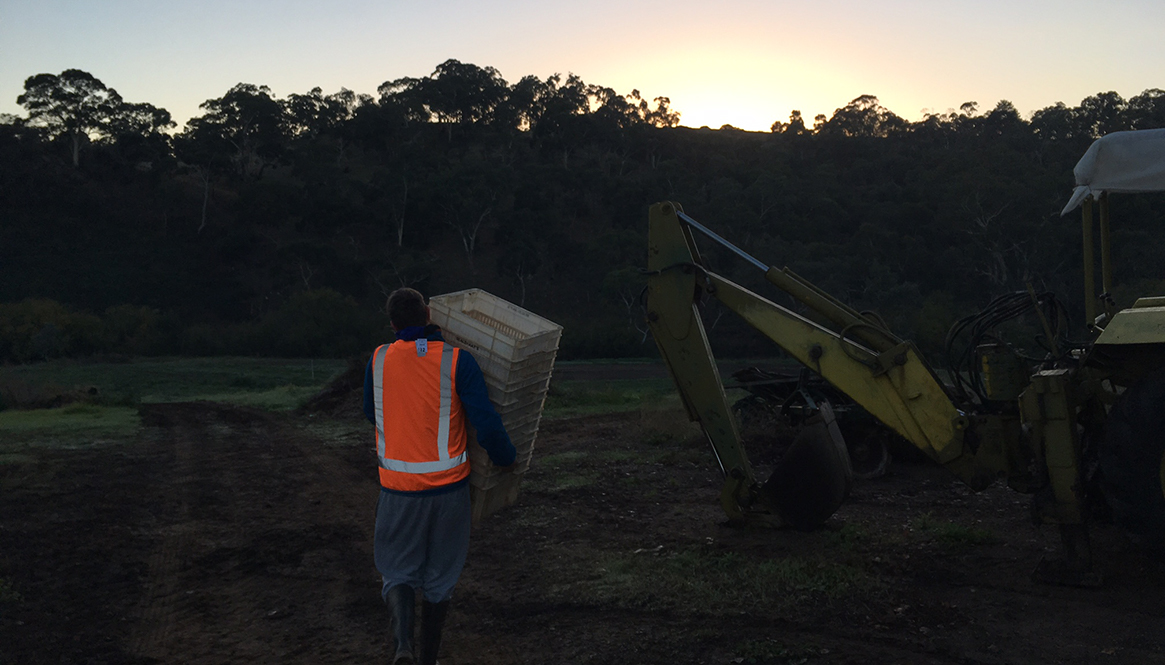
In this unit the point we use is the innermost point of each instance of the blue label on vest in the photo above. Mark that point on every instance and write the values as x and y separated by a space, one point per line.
422 347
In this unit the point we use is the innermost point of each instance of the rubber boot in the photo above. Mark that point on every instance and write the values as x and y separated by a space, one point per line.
432 623
401 601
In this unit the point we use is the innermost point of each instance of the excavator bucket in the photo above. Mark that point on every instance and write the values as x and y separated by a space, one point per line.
814 476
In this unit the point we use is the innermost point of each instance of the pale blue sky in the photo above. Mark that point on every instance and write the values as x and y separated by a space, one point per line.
740 62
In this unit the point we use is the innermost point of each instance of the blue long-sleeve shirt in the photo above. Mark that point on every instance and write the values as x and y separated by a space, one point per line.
471 390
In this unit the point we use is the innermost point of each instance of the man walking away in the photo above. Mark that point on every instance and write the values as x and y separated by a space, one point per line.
419 391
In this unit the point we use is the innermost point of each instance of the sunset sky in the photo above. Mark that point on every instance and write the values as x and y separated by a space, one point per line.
746 63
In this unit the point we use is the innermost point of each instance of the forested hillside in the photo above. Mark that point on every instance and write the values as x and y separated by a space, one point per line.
277 226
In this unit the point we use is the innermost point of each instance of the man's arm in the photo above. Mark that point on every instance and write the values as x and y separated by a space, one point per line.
369 404
491 433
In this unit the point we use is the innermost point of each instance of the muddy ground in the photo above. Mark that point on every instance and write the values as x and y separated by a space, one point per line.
230 535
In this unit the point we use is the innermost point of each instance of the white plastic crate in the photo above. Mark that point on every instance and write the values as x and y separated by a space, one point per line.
501 369
512 414
515 350
522 393
488 480
522 436
488 323
522 433
523 444
486 502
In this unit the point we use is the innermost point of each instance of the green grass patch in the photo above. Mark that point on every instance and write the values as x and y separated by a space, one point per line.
73 419
281 398
712 581
951 534
578 398
663 422
341 432
557 472
179 379
850 538
109 392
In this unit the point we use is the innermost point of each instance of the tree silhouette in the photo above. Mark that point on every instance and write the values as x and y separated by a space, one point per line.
312 114
543 183
458 94
1147 110
1102 113
246 126
74 104
863 116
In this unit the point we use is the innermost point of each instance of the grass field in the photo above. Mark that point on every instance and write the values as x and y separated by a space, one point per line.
110 391
147 380
104 395
584 397
101 397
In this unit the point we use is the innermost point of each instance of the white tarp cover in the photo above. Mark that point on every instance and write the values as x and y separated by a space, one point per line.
1123 162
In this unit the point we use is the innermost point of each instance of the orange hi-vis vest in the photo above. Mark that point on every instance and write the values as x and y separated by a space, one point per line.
420 426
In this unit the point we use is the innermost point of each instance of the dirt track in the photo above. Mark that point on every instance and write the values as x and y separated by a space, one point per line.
226 535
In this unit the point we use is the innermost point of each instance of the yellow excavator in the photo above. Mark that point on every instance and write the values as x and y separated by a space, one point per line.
1044 424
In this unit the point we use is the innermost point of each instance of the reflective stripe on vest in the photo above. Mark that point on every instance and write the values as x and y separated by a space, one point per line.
446 407
446 460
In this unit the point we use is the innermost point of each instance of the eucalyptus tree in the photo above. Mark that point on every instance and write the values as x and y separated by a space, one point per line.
463 93
1055 123
469 193
456 95
1102 113
1147 110
314 113
73 105
246 127
526 102
563 124
863 116
141 132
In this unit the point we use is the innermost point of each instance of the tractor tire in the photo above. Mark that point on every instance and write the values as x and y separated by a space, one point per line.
753 412
1132 462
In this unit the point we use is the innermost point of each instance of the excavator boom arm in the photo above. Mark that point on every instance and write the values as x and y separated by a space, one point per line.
895 386
879 371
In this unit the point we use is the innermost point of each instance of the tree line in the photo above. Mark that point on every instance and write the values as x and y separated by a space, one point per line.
277 226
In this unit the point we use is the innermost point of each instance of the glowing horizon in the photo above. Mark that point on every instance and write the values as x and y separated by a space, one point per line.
745 63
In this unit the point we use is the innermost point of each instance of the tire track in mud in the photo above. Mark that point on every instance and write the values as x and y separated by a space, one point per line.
264 543
158 597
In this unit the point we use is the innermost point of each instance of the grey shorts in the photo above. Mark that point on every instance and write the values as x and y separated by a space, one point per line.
422 541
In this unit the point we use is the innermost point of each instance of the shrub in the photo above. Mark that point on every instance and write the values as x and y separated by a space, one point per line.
315 323
207 339
137 331
23 395
40 329
319 323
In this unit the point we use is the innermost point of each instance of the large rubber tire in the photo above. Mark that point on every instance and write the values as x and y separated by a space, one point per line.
1132 462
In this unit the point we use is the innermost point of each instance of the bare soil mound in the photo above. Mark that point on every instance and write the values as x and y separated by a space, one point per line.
342 397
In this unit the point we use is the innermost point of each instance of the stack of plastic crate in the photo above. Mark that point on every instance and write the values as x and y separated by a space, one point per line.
515 349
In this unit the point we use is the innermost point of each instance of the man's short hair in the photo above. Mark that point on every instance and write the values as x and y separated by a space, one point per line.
406 309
